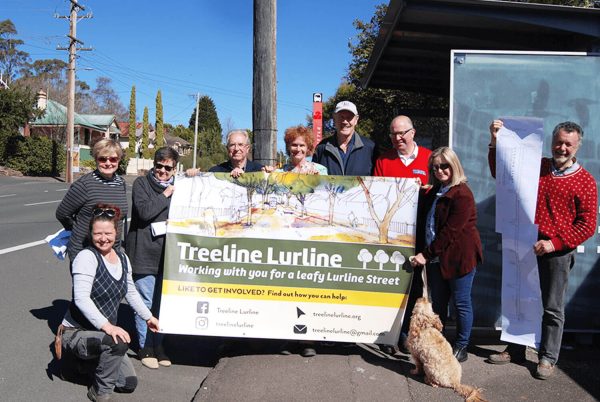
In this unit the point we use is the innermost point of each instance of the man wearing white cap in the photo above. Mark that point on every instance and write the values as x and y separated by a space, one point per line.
346 153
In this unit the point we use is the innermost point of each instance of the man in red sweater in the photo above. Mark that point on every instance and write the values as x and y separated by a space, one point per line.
566 217
407 159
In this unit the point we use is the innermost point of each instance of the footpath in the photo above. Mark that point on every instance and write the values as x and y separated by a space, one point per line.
363 373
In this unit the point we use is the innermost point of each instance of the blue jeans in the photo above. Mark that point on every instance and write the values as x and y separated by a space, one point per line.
150 291
460 290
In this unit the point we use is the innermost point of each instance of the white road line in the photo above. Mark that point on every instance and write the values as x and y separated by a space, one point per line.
40 203
7 195
22 246
62 189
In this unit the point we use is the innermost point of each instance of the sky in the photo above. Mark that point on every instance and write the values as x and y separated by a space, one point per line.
184 47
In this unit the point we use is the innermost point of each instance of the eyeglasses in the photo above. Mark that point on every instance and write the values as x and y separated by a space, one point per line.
401 133
441 166
108 212
161 166
239 145
111 159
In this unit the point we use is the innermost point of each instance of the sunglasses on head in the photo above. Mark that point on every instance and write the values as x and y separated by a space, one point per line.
161 166
111 159
441 166
108 212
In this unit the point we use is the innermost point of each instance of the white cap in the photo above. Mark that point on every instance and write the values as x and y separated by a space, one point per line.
346 105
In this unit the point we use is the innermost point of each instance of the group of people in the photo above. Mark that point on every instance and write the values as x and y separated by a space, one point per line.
448 245
95 210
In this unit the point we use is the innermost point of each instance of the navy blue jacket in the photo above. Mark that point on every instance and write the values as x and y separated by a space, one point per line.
361 160
227 167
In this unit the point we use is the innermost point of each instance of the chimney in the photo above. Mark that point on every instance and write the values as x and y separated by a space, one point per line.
42 100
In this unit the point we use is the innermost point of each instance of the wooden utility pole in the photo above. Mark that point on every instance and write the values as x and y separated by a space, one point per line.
73 41
264 82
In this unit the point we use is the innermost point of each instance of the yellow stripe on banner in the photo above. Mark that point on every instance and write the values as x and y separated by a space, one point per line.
253 292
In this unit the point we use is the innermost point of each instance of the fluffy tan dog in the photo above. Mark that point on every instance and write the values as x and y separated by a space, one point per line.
432 353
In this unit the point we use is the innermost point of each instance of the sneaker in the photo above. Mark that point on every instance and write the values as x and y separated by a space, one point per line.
93 396
162 357
460 352
544 370
506 357
148 359
308 352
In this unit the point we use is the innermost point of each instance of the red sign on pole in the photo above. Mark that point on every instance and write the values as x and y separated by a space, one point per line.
317 118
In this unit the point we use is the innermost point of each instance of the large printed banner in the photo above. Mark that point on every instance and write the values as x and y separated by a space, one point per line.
289 256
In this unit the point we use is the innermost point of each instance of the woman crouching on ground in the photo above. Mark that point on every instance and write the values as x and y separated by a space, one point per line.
101 279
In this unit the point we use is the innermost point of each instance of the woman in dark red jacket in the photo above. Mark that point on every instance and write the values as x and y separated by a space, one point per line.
449 243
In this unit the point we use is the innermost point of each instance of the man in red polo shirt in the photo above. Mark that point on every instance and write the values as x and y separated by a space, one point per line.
406 159
409 160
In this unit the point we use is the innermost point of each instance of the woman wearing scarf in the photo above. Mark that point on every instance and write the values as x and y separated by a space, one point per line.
151 197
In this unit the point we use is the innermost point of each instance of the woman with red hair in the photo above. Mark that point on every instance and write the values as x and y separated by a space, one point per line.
299 145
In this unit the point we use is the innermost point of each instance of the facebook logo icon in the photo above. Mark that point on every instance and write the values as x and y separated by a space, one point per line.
202 307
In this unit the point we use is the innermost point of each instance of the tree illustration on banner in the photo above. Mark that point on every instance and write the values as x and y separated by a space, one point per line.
397 259
299 185
382 258
402 198
365 257
336 185
251 182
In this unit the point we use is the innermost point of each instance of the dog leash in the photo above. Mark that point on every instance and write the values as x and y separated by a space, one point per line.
423 277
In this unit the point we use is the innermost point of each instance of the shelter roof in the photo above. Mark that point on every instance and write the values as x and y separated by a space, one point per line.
412 50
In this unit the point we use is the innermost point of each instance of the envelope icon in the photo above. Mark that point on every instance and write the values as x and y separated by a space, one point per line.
300 329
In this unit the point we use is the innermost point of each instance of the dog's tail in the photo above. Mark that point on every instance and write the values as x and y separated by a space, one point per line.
471 394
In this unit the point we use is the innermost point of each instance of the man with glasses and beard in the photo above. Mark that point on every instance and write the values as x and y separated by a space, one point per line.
566 212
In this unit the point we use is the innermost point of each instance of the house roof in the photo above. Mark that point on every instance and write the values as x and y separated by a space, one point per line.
124 127
100 119
412 50
56 115
172 139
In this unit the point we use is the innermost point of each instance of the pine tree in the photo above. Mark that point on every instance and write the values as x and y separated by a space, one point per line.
210 138
132 124
145 140
160 131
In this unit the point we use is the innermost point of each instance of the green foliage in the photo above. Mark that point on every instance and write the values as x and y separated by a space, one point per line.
17 107
90 164
377 107
160 131
183 132
210 141
146 152
35 156
132 124
122 169
11 57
